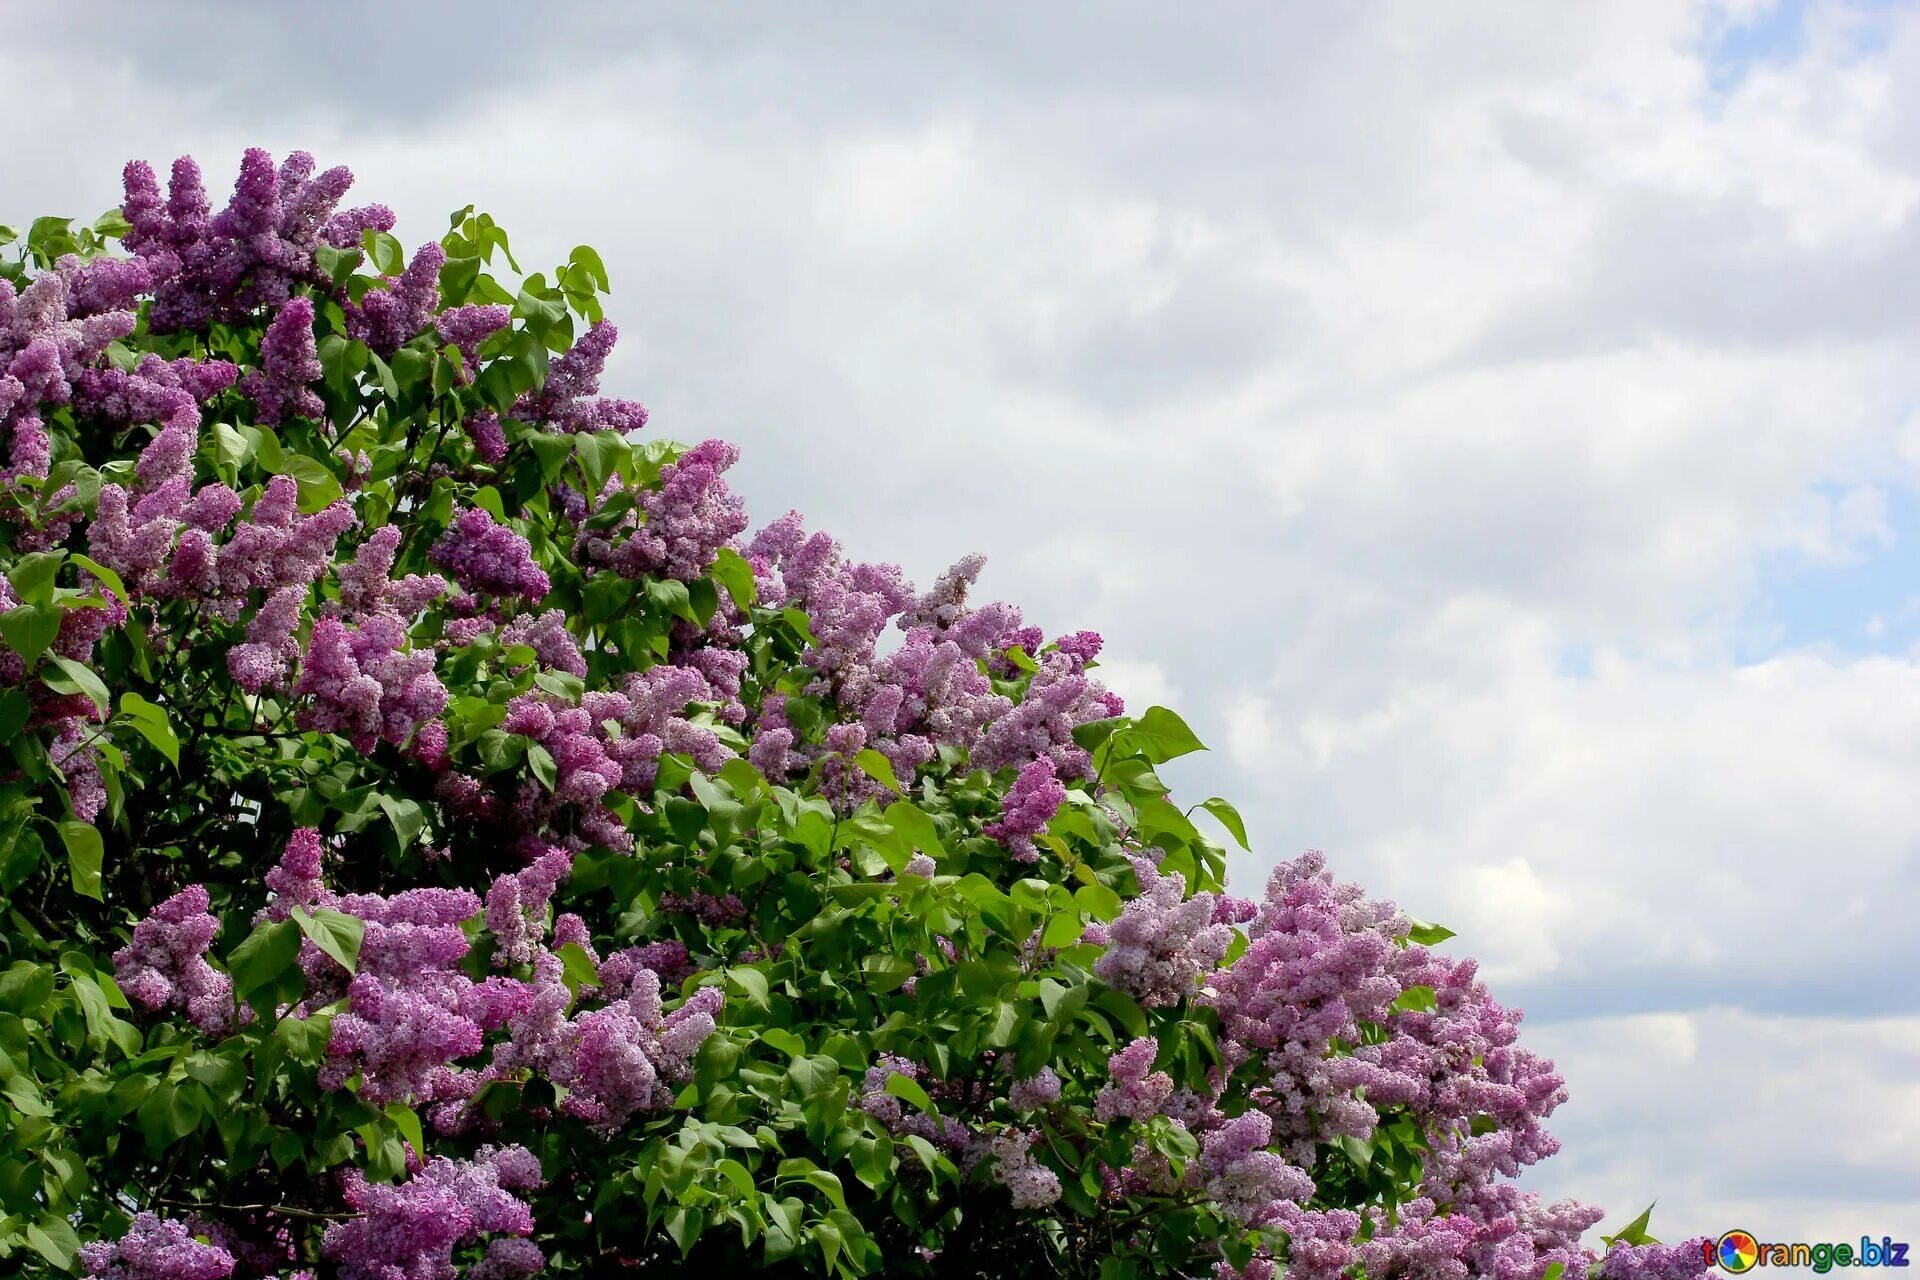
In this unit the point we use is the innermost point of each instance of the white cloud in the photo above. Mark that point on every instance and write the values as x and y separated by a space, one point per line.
1793 1128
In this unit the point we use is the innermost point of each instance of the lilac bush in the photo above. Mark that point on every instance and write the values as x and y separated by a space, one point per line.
441 834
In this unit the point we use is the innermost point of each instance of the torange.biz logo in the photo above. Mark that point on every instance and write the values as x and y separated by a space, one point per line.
1738 1251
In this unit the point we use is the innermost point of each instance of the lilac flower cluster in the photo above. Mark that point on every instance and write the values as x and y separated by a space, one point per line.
203 267
629 1055
388 316
1033 1185
1029 805
568 402
873 1098
1036 1092
1134 1090
928 693
288 362
467 329
164 965
155 1249
410 1010
677 527
488 557
410 1230
1244 1178
614 741
1164 943
365 684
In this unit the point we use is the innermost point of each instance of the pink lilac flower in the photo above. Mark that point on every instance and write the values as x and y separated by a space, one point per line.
1163 943
488 558
1035 1092
289 362
410 1230
1681 1261
489 438
689 517
155 1249
410 1010
364 684
1134 1089
295 880
517 905
1242 1177
547 635
1033 1185
873 1098
366 584
251 254
1059 698
467 328
387 317
267 656
568 403
1030 803
164 965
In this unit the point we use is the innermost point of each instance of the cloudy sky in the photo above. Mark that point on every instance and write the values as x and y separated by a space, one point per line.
1493 425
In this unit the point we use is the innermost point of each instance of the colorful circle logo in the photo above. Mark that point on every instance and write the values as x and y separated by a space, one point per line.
1737 1252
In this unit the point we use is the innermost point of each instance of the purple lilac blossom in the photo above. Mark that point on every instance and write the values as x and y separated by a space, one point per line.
489 558
155 1249
410 1230
1164 943
1030 803
164 965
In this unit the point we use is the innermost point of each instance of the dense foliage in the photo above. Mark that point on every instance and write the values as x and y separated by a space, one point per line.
439 836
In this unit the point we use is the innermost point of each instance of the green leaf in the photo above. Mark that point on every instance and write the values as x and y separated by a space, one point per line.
1635 1232
457 278
408 1123
785 1041
908 1089
540 760
334 932
916 829
84 855
15 707
577 966
585 256
32 576
338 264
1229 817
752 984
389 257
151 722
1427 934
408 819
736 1173
1162 736
735 575
77 677
670 596
879 768
30 630
1416 999
230 447
887 972
107 577
813 1074
53 1238
269 951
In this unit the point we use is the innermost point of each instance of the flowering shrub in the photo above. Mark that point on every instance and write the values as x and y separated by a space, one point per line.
441 835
